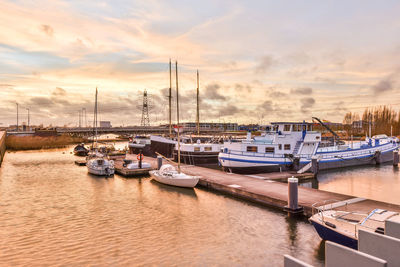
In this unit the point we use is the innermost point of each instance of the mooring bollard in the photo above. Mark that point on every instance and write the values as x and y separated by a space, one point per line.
378 157
314 165
395 158
293 206
296 163
159 162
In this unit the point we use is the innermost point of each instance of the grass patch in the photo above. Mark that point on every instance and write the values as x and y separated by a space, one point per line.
39 142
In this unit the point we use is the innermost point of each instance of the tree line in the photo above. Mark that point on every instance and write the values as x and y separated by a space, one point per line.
382 120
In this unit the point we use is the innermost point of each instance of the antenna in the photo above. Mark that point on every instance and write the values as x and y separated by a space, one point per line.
169 98
28 118
84 109
177 117
17 118
198 110
145 110
80 115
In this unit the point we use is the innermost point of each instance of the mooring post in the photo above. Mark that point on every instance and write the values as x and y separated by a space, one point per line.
395 158
314 165
159 162
292 206
296 163
140 158
378 157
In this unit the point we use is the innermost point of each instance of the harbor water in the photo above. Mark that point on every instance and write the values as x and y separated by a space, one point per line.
378 182
55 214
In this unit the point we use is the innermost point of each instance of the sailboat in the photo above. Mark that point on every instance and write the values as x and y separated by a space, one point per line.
198 153
96 163
167 174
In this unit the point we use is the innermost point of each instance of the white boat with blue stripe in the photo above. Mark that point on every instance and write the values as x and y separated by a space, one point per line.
292 146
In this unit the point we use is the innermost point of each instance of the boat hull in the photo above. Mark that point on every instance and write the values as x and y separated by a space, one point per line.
165 149
189 183
101 172
257 164
327 233
366 160
146 150
197 158
80 153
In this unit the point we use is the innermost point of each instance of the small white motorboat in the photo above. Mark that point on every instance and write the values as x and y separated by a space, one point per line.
133 165
100 166
167 174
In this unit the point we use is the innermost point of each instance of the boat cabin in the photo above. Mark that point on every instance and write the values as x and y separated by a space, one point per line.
285 138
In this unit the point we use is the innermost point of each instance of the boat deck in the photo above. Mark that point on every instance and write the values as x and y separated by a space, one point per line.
268 191
121 170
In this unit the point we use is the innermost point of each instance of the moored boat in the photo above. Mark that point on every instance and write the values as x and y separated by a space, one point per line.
291 146
167 174
81 150
341 226
198 153
97 163
100 166
140 144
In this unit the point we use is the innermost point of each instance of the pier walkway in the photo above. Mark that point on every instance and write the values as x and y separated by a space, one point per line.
261 189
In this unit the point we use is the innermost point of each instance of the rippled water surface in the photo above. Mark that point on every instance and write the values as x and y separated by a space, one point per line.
375 182
55 214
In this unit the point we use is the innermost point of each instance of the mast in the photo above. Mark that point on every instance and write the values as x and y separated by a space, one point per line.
169 98
95 117
198 111
177 117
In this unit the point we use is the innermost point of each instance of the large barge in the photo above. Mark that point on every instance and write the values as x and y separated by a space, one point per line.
292 146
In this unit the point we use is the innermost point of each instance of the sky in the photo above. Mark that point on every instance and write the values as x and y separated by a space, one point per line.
259 61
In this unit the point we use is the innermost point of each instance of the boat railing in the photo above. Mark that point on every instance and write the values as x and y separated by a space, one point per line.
321 206
358 152
270 155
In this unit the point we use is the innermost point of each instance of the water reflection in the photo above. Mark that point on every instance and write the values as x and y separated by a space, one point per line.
378 182
55 213
177 190
320 251
292 228
309 183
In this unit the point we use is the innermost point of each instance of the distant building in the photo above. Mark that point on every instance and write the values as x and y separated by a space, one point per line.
105 124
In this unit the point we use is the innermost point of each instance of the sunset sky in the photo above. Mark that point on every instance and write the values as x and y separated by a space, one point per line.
259 61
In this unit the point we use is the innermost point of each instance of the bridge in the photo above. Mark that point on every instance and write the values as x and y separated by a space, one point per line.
131 130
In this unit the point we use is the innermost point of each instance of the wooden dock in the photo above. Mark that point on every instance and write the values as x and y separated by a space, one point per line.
121 170
265 189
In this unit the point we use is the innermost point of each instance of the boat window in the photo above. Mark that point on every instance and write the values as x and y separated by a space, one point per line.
251 149
286 128
207 148
280 146
287 147
309 127
196 149
304 127
296 128
276 128
269 149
